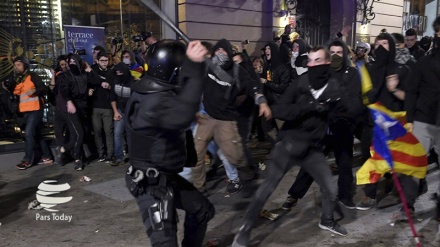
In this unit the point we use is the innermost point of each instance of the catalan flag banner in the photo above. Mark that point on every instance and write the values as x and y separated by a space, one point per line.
367 85
393 147
136 70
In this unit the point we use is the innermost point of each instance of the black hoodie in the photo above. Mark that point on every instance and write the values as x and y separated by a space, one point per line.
350 83
382 67
74 86
219 96
277 74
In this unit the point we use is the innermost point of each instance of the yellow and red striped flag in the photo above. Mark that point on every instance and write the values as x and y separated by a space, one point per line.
394 147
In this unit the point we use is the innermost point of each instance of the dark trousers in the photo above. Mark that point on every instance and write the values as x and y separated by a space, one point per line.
102 119
33 135
198 211
76 133
340 141
244 124
281 161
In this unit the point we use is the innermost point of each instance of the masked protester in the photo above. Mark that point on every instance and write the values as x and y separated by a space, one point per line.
299 58
71 109
340 136
422 103
305 108
30 89
224 82
160 109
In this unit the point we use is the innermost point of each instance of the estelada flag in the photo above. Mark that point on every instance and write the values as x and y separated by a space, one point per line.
366 83
393 147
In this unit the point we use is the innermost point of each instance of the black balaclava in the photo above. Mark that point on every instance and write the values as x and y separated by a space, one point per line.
382 56
224 61
318 75
76 68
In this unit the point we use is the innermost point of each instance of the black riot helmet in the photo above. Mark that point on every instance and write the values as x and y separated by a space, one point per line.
164 59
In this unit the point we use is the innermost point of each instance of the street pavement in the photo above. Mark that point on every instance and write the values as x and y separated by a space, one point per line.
103 213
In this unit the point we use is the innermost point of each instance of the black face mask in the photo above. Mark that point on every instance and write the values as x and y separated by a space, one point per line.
381 55
318 75
337 62
74 68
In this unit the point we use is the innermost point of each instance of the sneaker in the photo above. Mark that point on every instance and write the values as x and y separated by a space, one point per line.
108 161
118 163
102 159
24 165
348 203
233 186
289 203
366 203
79 166
45 161
334 228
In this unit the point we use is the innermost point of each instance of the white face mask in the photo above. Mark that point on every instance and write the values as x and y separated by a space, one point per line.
292 61
126 61
295 54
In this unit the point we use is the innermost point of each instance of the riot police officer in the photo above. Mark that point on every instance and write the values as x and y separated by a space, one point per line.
161 107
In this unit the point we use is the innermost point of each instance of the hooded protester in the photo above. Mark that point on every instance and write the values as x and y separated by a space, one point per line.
129 59
299 58
224 82
72 107
276 74
382 70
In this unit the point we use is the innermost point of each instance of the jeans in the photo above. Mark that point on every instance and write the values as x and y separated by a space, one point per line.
33 135
119 137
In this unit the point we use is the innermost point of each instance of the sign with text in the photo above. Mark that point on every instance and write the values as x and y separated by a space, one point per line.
82 40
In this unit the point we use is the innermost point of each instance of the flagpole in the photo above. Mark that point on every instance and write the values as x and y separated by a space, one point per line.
405 207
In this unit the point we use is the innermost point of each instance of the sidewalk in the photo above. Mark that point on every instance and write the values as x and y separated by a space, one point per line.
104 214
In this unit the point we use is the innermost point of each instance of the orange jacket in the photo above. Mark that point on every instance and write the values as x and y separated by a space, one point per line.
29 100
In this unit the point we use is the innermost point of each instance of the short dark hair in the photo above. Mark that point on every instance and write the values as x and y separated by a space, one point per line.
399 38
410 32
326 51
98 48
102 54
436 24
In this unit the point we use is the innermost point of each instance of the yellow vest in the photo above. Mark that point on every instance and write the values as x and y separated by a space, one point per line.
27 102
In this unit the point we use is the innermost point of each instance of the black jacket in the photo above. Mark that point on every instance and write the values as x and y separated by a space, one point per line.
417 52
422 101
101 97
74 87
277 74
157 117
297 107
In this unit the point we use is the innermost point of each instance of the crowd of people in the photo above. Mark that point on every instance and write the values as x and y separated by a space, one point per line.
206 97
